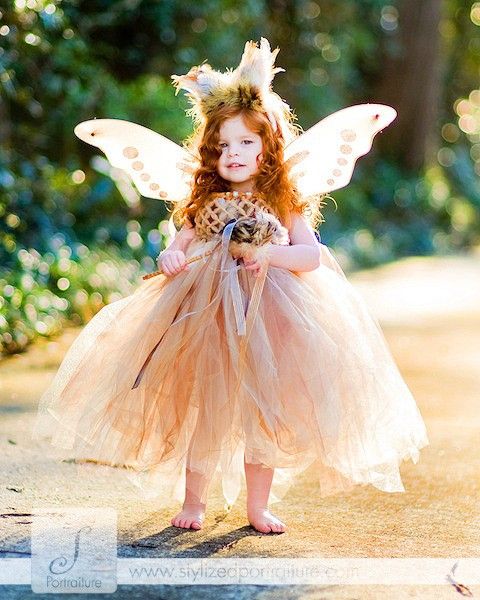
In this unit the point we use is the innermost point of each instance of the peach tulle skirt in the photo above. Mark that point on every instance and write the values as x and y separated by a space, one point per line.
151 384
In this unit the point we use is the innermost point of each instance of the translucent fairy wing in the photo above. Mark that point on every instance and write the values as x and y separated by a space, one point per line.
323 158
159 168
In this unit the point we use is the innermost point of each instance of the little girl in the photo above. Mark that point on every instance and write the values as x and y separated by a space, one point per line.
262 359
240 153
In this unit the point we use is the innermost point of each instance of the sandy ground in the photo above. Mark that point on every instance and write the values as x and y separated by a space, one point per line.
429 309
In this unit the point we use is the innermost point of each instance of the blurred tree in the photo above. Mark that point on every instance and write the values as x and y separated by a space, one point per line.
411 81
66 61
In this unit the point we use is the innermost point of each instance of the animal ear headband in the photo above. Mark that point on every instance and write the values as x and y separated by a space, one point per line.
248 86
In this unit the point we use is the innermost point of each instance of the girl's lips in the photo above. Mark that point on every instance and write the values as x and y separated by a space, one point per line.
236 167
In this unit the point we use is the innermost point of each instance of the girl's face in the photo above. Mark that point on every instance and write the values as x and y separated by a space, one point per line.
241 154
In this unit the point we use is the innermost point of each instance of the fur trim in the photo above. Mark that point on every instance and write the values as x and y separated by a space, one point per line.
252 236
249 86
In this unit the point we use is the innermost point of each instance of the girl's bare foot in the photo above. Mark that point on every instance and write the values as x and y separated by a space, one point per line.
261 519
190 517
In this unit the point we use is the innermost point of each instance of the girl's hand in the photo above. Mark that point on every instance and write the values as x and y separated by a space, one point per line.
252 264
172 262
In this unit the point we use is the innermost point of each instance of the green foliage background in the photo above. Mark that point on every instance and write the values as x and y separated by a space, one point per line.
70 243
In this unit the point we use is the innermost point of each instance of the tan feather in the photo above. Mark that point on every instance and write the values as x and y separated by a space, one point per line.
257 65
249 86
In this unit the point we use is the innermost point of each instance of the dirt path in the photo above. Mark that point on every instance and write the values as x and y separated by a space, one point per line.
429 309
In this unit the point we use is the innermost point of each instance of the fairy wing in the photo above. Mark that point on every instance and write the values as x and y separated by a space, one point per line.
158 167
323 158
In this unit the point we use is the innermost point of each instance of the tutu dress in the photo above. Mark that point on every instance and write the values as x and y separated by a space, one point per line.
202 368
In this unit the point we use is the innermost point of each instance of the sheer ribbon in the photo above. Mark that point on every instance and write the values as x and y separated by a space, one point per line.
243 321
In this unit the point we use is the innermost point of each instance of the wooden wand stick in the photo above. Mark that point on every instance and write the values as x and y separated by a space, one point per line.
189 260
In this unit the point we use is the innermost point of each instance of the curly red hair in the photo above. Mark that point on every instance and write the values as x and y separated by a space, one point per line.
272 179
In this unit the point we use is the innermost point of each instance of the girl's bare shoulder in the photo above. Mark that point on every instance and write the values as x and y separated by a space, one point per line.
300 230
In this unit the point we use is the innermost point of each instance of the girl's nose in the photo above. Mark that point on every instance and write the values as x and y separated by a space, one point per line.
232 152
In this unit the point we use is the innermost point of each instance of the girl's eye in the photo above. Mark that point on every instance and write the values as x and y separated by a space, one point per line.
224 145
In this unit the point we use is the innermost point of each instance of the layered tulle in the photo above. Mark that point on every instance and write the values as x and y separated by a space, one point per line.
319 387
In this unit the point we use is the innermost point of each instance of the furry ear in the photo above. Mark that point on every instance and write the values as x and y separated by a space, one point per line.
257 65
200 81
249 85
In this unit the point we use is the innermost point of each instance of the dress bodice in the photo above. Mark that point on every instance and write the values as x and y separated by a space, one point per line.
211 219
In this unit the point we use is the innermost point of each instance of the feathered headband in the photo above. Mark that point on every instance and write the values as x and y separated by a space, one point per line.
248 86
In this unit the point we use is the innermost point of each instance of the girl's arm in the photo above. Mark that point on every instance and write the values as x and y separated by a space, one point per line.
172 259
182 239
303 254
